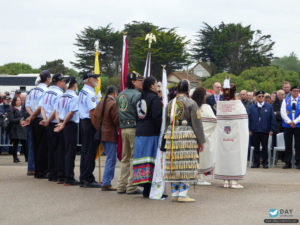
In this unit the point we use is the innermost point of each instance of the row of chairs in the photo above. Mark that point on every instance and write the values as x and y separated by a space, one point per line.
280 147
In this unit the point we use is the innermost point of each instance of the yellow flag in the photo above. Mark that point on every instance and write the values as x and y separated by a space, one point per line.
97 71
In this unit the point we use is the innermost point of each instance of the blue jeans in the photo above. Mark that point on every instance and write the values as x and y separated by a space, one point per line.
4 140
110 150
31 165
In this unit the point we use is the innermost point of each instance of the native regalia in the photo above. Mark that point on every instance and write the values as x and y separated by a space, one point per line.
184 132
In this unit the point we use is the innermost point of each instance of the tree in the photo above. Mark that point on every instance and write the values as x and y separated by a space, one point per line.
55 66
290 62
268 79
110 50
16 68
232 48
169 50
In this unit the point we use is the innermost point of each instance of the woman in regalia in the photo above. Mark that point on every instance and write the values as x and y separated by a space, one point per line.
232 139
184 139
209 121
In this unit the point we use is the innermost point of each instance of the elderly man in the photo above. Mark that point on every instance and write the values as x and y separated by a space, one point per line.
243 97
213 99
286 86
261 125
250 96
290 113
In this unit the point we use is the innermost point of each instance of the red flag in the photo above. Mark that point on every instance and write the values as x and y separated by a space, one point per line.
124 72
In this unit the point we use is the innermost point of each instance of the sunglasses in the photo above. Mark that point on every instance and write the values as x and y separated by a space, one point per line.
260 96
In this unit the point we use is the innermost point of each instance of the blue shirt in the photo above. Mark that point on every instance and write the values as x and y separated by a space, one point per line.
87 101
68 102
49 100
34 97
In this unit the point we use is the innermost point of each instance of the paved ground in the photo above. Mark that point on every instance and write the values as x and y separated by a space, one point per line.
28 201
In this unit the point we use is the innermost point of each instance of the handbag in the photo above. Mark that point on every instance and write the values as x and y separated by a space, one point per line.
97 137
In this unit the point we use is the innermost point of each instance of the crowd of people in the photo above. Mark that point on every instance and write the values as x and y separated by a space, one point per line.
200 131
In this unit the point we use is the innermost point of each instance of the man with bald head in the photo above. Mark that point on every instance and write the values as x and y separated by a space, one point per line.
213 99
243 97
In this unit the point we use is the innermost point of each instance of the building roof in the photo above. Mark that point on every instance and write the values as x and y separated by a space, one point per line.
204 65
181 75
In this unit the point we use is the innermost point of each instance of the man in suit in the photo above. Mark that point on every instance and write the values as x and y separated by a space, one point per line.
213 99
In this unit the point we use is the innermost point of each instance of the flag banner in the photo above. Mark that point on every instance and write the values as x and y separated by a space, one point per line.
158 183
147 70
97 71
124 72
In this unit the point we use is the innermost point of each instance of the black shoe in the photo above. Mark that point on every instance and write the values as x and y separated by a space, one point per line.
136 192
72 183
91 185
265 166
298 166
255 166
52 179
17 160
121 192
164 196
287 166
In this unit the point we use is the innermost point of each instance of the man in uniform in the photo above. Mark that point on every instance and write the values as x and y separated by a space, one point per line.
213 99
126 104
290 113
47 104
87 104
67 116
38 131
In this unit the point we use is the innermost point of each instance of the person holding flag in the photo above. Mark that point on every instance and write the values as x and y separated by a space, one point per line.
148 124
126 105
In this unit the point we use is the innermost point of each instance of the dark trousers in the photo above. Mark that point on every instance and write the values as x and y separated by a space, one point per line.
70 139
52 138
88 151
289 133
15 143
40 149
60 156
260 139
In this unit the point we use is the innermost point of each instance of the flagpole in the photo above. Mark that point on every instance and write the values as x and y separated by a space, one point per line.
150 37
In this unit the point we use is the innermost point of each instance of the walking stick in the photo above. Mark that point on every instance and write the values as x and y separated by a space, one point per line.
99 158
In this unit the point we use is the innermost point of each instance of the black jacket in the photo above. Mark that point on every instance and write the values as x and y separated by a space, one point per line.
149 118
16 131
276 107
212 102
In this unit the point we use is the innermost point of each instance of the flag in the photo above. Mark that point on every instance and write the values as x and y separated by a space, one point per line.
98 92
97 71
147 70
124 68
124 72
158 184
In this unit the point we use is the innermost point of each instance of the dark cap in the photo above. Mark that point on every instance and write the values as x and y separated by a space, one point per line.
295 87
259 93
72 80
90 74
134 76
6 97
57 77
45 74
17 92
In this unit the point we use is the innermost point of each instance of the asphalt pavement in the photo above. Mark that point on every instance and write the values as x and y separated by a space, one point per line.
28 201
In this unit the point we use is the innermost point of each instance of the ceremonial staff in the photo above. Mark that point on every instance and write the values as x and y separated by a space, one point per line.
150 37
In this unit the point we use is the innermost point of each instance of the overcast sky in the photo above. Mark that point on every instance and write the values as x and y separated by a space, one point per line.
36 31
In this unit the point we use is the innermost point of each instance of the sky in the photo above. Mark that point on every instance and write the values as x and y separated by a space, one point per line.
36 31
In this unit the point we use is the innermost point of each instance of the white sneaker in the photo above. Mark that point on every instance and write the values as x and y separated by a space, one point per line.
234 184
203 182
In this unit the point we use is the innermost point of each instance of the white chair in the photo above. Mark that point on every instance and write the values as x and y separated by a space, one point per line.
260 149
281 148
